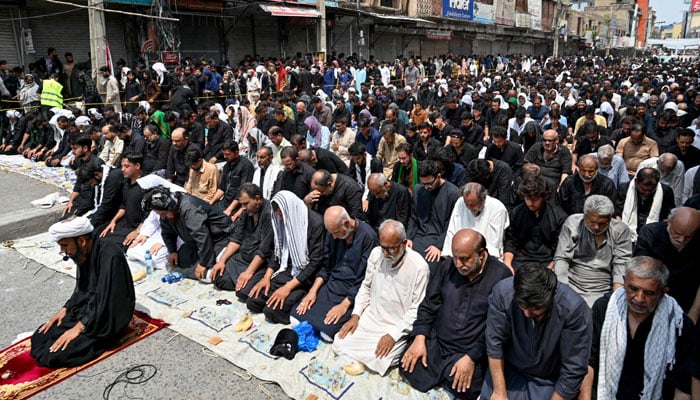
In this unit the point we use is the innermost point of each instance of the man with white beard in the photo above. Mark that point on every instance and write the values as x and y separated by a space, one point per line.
386 304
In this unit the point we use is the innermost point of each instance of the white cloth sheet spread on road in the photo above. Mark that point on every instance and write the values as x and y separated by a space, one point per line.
61 177
190 309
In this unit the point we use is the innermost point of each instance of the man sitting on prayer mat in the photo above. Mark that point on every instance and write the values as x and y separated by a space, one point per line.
298 256
328 304
387 302
98 312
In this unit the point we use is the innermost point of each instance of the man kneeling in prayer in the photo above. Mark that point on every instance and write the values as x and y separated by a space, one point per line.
98 312
386 304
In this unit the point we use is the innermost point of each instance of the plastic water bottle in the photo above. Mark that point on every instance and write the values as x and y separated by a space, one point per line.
66 182
149 263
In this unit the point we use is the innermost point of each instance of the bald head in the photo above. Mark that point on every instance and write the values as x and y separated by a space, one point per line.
683 226
178 132
334 217
469 252
467 240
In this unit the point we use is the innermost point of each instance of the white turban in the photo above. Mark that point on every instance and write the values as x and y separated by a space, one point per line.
75 227
13 114
94 113
82 121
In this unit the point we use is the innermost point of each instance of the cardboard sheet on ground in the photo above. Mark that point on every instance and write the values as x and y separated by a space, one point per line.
199 318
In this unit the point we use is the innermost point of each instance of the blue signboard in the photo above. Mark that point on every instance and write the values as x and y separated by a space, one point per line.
458 9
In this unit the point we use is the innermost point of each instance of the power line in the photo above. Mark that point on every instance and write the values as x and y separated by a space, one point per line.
112 11
39 16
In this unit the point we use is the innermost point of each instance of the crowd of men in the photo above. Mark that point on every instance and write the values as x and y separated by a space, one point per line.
519 227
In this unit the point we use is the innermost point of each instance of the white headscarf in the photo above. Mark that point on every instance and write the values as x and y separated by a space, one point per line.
160 70
291 234
606 107
152 180
13 114
75 227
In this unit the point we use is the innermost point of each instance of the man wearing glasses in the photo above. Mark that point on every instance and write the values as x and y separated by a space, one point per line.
554 159
386 303
433 201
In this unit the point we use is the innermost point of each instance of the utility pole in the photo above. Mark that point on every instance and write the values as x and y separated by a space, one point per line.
555 43
98 35
321 31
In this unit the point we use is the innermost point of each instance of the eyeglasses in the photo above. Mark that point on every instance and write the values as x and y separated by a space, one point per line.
548 140
431 183
390 249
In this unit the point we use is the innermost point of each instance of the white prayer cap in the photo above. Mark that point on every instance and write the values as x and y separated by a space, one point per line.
75 227
671 106
82 121
13 114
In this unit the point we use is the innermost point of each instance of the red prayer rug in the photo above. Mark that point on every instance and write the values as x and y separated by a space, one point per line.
21 378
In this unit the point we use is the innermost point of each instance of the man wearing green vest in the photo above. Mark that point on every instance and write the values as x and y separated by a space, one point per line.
51 95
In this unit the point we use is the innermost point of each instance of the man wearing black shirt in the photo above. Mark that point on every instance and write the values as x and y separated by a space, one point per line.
575 189
323 159
194 129
287 125
176 171
387 200
335 190
533 233
473 132
217 133
250 245
237 171
132 144
463 151
448 347
156 152
296 176
684 149
590 143
505 150
642 365
124 226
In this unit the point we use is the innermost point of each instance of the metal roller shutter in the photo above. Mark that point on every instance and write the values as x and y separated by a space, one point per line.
301 39
267 38
342 34
460 46
115 37
240 43
200 37
386 46
70 32
8 41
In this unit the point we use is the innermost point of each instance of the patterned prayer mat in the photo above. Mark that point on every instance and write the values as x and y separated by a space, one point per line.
21 378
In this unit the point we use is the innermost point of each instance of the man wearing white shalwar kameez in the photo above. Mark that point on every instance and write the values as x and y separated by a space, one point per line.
386 304
481 212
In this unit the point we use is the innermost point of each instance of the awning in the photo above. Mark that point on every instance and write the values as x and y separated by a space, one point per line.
286 11
399 18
